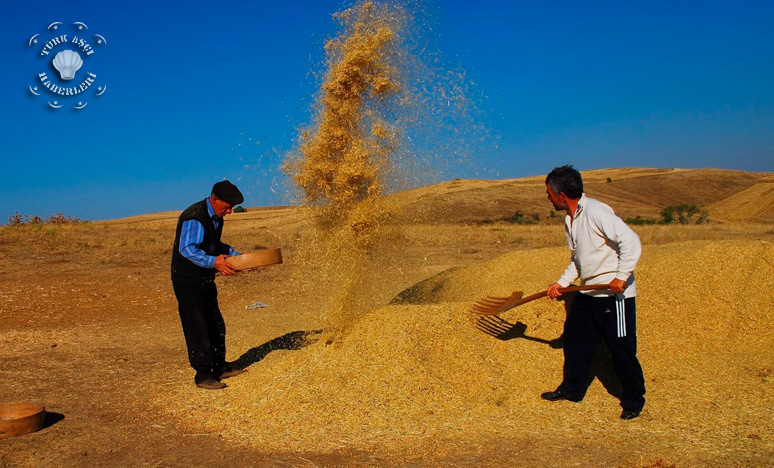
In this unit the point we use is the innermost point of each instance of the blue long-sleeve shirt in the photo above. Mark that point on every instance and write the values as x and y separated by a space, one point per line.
191 237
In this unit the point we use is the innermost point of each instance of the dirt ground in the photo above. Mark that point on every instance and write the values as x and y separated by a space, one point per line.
90 330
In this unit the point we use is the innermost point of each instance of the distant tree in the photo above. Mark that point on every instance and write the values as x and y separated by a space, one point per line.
240 209
683 214
668 216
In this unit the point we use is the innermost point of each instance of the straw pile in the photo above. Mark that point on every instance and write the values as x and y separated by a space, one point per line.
423 368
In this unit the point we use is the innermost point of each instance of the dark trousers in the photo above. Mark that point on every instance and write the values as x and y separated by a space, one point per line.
204 329
589 319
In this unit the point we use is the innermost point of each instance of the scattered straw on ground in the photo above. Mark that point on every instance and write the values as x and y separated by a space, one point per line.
423 368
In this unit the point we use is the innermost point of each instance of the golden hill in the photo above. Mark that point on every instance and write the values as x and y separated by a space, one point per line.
727 195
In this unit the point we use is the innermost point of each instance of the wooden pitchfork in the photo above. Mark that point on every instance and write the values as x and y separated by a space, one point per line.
491 305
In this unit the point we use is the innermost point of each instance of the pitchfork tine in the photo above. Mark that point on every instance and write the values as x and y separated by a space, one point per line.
484 309
486 312
486 305
492 303
497 298
490 308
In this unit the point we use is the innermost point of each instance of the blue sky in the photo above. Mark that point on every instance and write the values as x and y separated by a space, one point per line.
197 92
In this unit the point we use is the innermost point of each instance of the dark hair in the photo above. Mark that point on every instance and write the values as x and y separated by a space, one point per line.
565 179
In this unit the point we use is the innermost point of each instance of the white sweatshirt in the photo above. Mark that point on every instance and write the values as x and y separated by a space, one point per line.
603 248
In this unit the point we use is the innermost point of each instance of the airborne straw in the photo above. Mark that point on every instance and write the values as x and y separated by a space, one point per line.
379 99
343 159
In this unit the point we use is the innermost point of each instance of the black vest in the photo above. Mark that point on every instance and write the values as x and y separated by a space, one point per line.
185 271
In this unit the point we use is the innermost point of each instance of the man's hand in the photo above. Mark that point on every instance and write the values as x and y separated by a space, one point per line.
223 267
617 286
553 291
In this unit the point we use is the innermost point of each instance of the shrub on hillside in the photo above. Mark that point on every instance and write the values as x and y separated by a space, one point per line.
640 221
59 218
518 218
683 214
17 219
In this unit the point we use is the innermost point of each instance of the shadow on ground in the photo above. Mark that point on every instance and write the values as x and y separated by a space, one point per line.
290 341
503 330
51 419
602 364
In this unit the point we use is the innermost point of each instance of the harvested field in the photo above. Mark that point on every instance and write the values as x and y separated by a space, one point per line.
90 330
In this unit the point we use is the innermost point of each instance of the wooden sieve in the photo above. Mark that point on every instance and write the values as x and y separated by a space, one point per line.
257 259
20 418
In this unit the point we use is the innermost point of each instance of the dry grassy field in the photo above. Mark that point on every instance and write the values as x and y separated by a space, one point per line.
90 329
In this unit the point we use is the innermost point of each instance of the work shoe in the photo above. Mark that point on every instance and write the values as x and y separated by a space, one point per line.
232 373
211 384
628 414
557 395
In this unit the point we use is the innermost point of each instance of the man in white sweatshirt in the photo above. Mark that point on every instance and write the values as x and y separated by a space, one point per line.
604 251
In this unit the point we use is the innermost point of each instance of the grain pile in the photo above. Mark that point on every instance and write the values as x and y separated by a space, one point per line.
423 369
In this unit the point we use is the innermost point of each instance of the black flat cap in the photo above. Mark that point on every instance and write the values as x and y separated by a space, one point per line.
228 192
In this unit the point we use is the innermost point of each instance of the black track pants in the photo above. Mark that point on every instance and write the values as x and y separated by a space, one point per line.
204 329
592 318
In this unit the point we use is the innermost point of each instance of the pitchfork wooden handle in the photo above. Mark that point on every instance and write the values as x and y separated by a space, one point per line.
491 305
587 287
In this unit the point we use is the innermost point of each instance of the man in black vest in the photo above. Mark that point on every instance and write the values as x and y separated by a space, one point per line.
197 254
